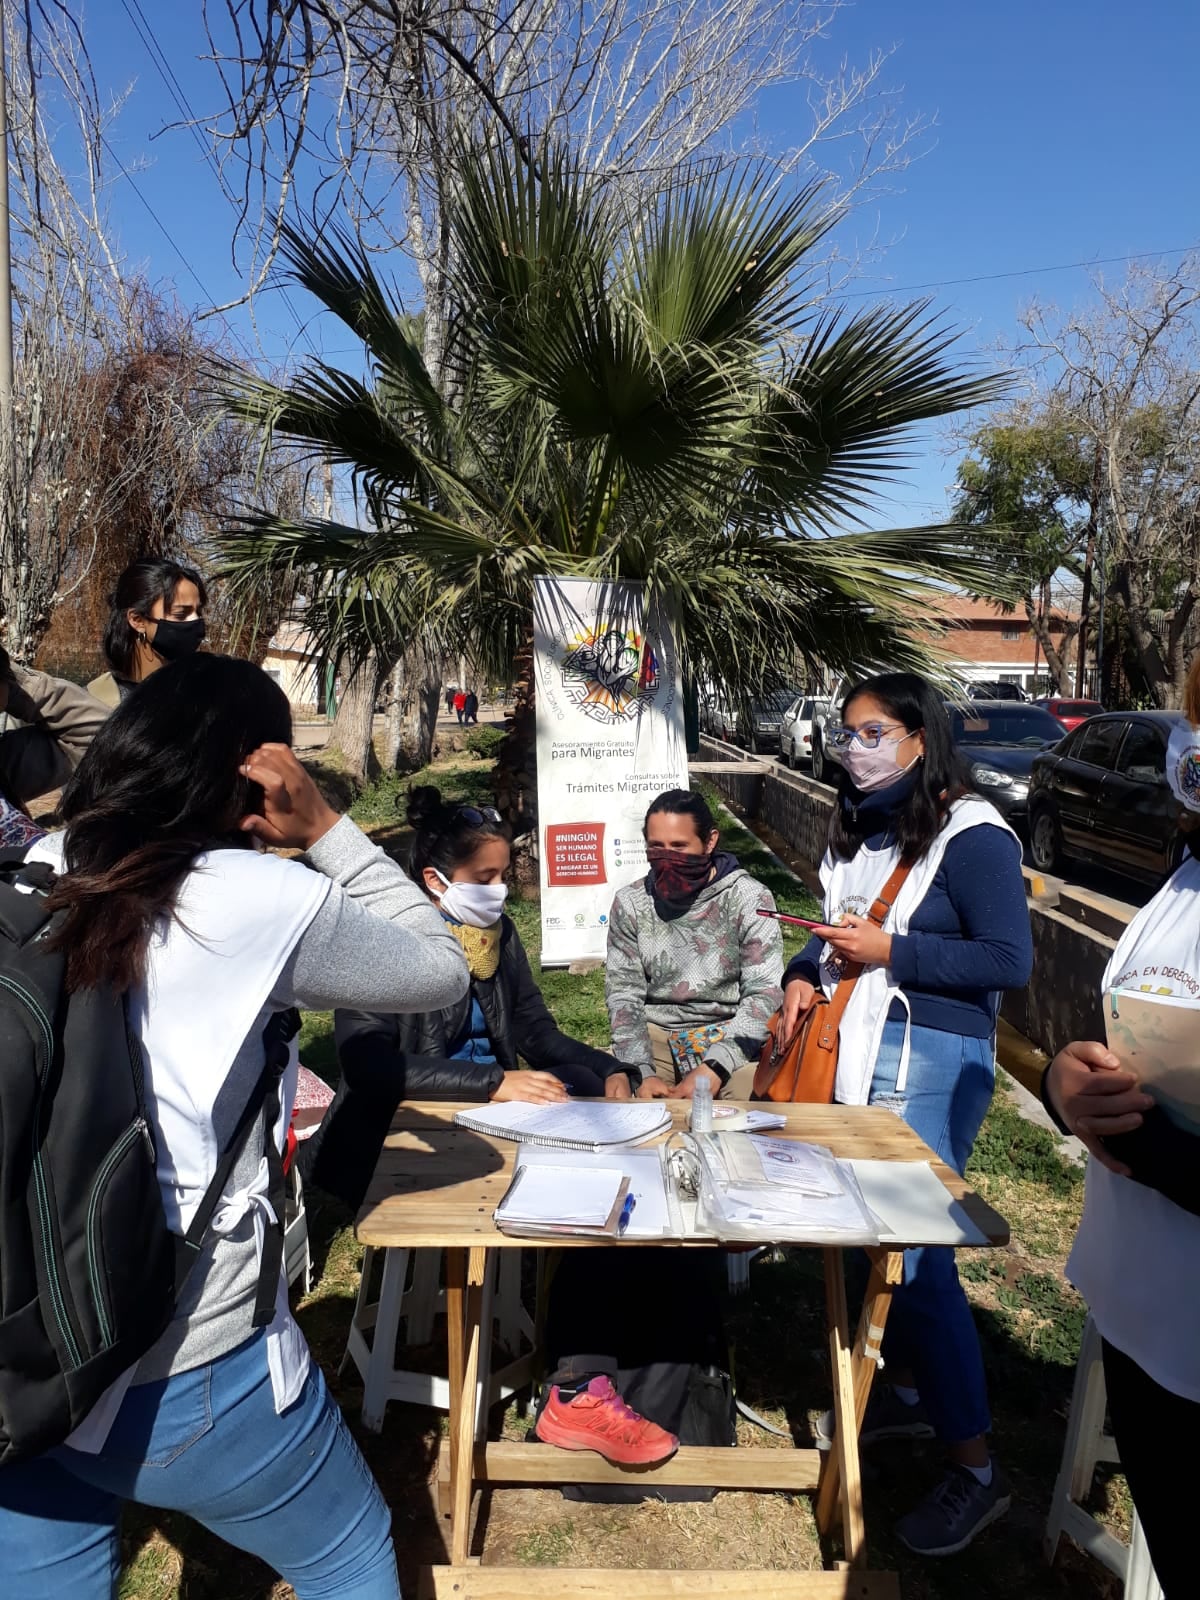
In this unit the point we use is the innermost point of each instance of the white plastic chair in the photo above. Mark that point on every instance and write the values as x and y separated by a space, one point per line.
1087 1445
410 1291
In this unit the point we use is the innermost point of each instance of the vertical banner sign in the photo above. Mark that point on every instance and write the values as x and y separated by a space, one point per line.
610 737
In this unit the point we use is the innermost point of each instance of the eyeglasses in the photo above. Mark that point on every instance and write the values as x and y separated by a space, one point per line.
476 816
870 737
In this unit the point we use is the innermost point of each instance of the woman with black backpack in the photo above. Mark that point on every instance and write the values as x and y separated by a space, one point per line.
165 899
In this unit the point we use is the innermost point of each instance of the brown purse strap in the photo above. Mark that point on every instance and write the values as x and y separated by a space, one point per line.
831 1020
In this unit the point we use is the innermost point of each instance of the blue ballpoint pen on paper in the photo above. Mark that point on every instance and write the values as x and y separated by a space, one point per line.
626 1213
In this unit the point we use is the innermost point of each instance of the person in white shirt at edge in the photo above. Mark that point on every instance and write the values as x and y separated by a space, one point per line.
918 1036
1136 1258
165 898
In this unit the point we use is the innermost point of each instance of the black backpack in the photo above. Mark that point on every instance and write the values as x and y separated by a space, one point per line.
89 1270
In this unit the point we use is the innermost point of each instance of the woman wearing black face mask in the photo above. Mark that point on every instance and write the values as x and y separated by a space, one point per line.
693 972
157 616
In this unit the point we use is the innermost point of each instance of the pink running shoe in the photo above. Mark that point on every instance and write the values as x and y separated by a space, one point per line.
598 1419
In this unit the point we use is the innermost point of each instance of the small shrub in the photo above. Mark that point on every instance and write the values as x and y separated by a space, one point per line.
338 788
383 800
1008 1146
485 742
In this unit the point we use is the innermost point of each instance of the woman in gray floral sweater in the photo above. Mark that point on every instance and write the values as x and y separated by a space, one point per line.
694 972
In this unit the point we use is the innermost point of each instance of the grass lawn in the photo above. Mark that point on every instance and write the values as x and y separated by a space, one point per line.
1029 1322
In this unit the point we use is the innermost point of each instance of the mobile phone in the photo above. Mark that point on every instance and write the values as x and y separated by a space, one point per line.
799 922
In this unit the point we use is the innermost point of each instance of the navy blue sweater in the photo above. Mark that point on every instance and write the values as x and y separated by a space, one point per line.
968 939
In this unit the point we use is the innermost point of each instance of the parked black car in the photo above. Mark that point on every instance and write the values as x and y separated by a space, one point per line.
1001 740
1103 796
995 689
757 726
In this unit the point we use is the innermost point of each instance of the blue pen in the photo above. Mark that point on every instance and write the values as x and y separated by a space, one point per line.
626 1213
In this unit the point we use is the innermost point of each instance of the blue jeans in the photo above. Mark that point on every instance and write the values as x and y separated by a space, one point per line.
930 1329
292 1489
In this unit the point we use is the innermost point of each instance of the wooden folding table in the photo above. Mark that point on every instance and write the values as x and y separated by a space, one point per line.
436 1188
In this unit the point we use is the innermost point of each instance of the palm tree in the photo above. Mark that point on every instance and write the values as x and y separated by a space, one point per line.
650 395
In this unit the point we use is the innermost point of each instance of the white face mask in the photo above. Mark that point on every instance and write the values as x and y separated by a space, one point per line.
475 905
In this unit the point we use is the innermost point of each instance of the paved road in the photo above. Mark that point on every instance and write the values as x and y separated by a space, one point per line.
1125 894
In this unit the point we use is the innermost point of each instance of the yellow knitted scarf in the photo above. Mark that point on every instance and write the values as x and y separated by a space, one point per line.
481 946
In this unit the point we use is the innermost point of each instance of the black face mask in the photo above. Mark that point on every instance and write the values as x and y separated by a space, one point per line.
174 640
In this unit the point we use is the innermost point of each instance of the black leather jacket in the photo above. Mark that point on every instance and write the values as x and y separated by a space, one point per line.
387 1058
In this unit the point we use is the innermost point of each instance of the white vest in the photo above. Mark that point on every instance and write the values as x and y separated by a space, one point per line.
210 969
853 886
1136 1257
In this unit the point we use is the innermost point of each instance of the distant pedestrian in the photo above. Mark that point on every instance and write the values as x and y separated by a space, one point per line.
471 707
449 698
460 705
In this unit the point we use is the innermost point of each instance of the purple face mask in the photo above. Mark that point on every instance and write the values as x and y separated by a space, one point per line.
876 769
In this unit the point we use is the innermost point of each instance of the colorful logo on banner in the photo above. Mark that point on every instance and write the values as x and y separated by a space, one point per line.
609 673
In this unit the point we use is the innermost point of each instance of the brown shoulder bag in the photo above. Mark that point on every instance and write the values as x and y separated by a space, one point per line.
804 1067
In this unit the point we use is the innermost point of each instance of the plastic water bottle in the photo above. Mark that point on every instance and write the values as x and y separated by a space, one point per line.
702 1105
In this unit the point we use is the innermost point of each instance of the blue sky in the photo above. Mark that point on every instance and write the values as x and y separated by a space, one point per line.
1064 132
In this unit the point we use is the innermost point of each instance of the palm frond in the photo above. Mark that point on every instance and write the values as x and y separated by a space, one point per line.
645 396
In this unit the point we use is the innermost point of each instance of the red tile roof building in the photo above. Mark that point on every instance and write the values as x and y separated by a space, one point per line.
985 642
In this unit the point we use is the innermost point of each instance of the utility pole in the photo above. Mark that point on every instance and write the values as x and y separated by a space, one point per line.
6 333
1103 587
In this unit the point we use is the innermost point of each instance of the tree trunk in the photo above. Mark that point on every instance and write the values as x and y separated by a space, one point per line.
423 703
1127 586
350 740
515 777
393 725
1056 663
1085 605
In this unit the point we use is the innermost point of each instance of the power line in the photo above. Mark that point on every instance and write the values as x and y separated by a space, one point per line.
1020 272
159 61
158 221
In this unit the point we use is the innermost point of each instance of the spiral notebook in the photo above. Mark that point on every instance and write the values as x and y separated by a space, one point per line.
596 1125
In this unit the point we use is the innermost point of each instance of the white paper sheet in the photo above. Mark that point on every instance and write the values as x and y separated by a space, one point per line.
793 1165
913 1204
651 1217
597 1125
581 1197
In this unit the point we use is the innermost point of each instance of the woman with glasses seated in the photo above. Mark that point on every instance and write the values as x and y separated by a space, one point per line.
471 1050
918 1037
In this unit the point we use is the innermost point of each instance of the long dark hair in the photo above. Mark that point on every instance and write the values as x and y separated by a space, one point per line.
158 785
684 803
448 834
140 586
941 777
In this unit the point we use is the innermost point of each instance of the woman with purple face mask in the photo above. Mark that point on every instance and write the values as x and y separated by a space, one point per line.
918 1037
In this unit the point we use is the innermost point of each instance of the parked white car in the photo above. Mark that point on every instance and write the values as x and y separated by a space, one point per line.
796 730
717 716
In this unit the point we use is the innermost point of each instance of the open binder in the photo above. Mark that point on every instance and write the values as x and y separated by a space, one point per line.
713 1187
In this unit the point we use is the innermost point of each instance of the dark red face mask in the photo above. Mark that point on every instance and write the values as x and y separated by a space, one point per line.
676 874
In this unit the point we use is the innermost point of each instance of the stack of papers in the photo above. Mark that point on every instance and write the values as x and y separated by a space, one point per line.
544 1199
763 1187
588 1125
